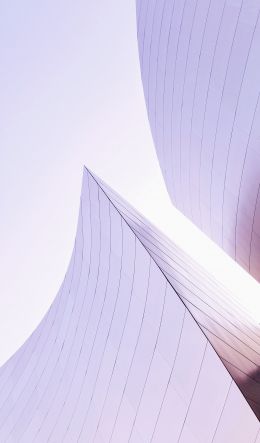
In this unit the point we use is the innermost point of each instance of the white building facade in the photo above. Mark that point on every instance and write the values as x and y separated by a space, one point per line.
200 68
132 348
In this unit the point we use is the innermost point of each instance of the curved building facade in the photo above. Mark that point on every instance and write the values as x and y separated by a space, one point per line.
140 345
200 68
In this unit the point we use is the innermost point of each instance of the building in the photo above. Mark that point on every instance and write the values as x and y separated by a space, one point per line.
139 345
200 63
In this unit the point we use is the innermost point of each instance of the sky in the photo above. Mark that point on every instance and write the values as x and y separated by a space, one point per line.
71 95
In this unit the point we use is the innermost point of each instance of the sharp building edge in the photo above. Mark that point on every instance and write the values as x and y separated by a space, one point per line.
140 345
200 70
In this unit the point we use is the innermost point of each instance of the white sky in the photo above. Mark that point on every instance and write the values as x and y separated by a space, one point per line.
71 94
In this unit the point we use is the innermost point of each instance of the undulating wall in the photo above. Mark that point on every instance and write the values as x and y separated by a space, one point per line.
200 65
119 356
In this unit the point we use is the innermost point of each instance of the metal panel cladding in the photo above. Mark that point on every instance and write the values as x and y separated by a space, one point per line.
119 356
200 65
